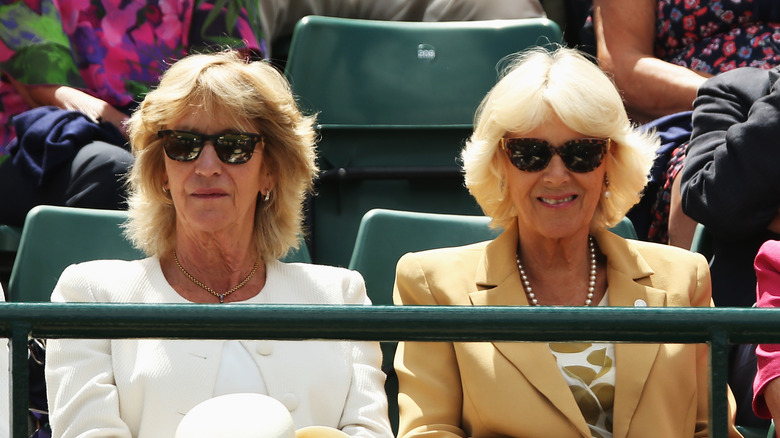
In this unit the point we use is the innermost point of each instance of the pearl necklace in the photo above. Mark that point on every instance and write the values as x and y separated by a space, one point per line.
210 290
529 291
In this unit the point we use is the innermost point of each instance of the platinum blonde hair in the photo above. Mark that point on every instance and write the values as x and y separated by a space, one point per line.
240 93
536 85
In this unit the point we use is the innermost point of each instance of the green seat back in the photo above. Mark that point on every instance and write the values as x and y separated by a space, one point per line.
299 255
9 244
702 241
395 104
55 237
756 432
385 235
366 72
625 229
9 238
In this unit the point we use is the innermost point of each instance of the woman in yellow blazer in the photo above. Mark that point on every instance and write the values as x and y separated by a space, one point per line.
554 161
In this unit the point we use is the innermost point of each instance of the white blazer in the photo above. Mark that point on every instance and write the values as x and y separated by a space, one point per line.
143 388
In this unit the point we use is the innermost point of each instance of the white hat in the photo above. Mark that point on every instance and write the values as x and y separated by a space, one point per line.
246 416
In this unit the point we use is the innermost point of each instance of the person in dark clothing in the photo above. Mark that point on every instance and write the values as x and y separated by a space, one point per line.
729 184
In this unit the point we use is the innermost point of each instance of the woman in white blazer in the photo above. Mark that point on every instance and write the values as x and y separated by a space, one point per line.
224 160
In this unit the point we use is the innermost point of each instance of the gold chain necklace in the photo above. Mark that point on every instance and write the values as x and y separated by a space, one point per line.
212 291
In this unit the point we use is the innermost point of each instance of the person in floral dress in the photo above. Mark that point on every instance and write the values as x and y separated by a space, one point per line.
97 58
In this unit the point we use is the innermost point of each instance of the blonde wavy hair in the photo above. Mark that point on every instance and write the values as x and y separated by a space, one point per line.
238 92
534 86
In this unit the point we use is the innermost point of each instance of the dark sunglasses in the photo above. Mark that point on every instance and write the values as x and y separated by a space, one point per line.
234 148
580 155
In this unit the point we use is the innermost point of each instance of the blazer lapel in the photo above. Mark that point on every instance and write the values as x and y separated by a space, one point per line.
628 279
498 284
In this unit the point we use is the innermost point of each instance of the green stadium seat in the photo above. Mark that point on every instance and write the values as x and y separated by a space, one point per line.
395 103
702 241
9 244
9 238
755 432
385 235
55 237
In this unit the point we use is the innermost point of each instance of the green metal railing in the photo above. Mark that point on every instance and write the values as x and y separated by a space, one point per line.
718 327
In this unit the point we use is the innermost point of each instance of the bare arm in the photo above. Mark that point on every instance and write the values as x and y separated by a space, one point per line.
72 99
651 87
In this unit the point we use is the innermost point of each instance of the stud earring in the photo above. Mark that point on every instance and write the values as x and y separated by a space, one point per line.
267 195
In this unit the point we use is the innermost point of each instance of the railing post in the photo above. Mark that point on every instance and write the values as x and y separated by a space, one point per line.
718 378
20 379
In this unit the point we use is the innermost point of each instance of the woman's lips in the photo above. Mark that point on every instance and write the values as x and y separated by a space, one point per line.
557 200
206 194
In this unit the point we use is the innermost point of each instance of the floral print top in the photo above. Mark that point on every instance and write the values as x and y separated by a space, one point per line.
718 35
113 49
713 37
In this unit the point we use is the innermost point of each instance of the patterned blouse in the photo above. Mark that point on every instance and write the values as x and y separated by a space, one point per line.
718 35
713 37
113 49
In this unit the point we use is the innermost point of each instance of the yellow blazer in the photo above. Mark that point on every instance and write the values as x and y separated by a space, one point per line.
484 389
